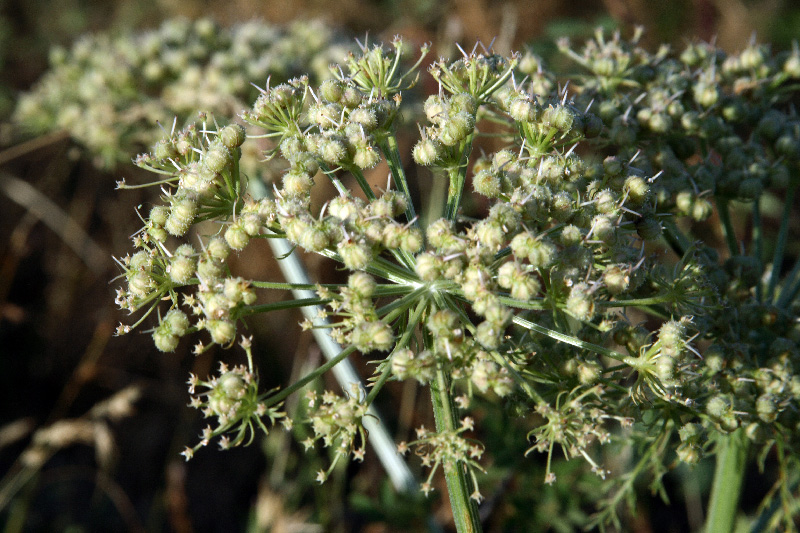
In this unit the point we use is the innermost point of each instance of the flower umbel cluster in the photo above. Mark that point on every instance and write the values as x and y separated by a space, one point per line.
578 286
109 93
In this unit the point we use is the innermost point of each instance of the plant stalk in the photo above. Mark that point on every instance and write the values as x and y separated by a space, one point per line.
465 511
728 475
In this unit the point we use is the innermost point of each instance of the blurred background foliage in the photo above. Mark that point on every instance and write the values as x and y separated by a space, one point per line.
91 425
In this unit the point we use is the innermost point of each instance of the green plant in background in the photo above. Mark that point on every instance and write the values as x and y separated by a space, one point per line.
616 282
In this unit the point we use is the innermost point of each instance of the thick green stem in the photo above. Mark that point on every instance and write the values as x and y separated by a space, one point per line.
465 511
724 504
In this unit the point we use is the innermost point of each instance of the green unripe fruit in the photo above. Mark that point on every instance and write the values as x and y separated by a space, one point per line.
218 248
487 182
362 284
718 406
616 279
164 340
443 323
222 331
232 136
181 269
164 149
426 151
355 255
158 215
331 90
427 267
366 157
522 109
351 97
236 237
689 453
637 189
297 183
580 303
766 409
463 102
332 151
489 335
177 321
365 117
232 385
571 235
181 216
217 157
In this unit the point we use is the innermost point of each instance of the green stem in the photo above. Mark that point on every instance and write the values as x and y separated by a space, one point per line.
568 339
465 511
758 242
277 306
362 181
727 226
728 476
392 154
458 176
780 245
308 378
675 238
